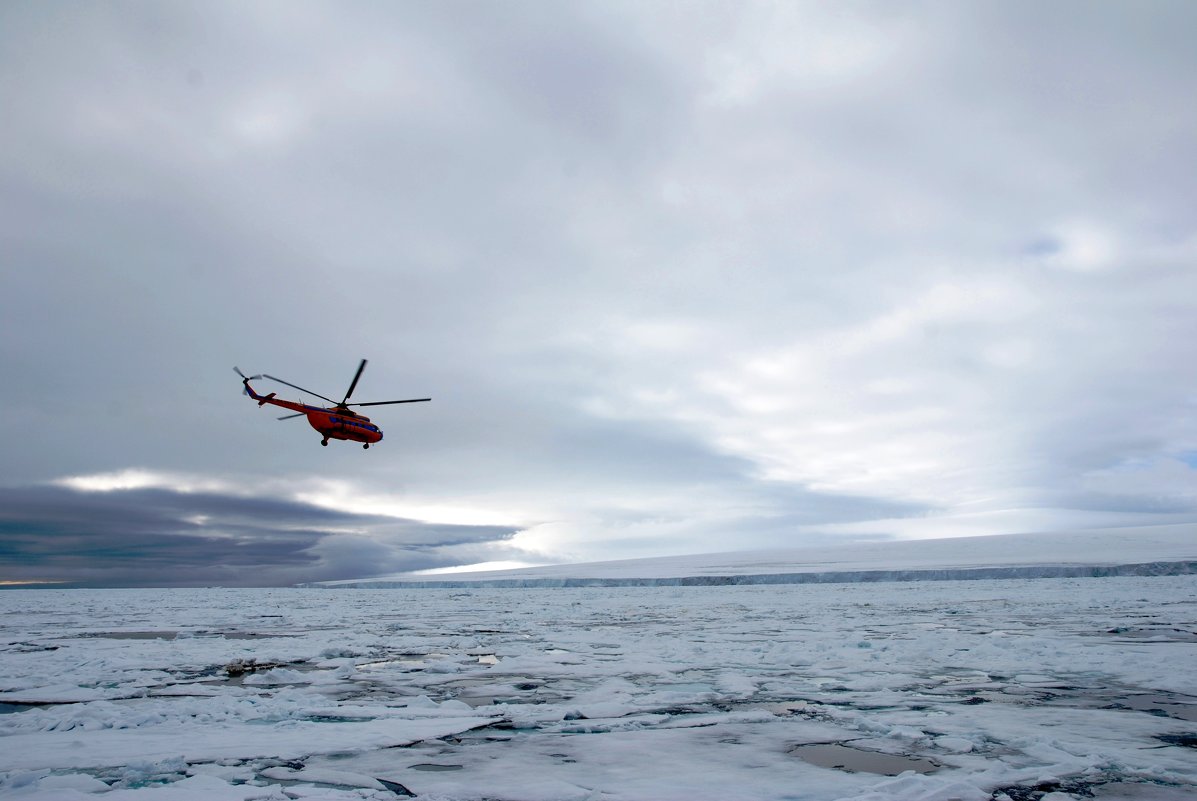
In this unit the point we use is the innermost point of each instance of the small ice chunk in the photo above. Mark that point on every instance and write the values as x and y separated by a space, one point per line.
338 652
79 782
736 684
278 676
954 745
336 778
422 702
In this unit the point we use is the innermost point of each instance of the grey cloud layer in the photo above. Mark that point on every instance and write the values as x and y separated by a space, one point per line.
157 537
652 262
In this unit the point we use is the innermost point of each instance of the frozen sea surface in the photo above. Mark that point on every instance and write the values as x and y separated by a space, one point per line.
1046 689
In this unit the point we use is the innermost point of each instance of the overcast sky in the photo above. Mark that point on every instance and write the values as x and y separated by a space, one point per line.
679 278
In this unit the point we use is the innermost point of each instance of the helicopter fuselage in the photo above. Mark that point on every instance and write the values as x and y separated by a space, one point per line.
331 423
338 425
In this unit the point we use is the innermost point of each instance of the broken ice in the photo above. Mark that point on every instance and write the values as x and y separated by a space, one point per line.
972 690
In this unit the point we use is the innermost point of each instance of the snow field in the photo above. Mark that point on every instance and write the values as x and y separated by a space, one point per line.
1077 687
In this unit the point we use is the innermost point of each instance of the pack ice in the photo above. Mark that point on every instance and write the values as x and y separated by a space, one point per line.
1005 689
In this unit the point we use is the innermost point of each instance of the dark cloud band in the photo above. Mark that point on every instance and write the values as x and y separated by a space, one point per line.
161 537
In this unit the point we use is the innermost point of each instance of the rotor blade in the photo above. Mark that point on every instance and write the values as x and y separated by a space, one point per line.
289 416
247 377
353 384
296 386
384 403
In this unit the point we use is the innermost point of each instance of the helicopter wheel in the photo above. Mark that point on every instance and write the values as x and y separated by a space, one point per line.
366 446
324 442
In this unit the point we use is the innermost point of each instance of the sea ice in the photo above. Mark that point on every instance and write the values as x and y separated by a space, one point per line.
1077 687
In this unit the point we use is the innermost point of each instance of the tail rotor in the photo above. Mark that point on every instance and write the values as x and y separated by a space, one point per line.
246 378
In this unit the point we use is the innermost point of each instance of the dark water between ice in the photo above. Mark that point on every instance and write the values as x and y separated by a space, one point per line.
846 758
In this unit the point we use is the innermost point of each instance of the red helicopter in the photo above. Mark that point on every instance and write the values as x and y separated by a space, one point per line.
337 421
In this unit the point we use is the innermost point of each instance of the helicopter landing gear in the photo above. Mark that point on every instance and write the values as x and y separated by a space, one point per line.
366 446
324 442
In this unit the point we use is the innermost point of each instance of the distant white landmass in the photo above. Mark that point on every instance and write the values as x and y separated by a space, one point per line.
1151 550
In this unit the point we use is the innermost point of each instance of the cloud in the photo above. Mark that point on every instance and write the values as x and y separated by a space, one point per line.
166 537
1163 482
675 279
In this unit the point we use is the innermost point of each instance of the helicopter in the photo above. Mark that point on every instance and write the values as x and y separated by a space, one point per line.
338 421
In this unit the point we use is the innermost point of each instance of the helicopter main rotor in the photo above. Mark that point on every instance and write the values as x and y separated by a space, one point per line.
343 405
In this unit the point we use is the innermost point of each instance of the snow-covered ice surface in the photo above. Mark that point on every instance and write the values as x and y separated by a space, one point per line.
1137 550
976 690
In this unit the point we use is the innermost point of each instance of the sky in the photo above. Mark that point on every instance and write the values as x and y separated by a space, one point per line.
678 277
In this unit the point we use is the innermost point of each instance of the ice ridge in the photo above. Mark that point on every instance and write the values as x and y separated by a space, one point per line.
1164 568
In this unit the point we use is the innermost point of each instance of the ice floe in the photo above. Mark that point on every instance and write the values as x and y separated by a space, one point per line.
982 691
